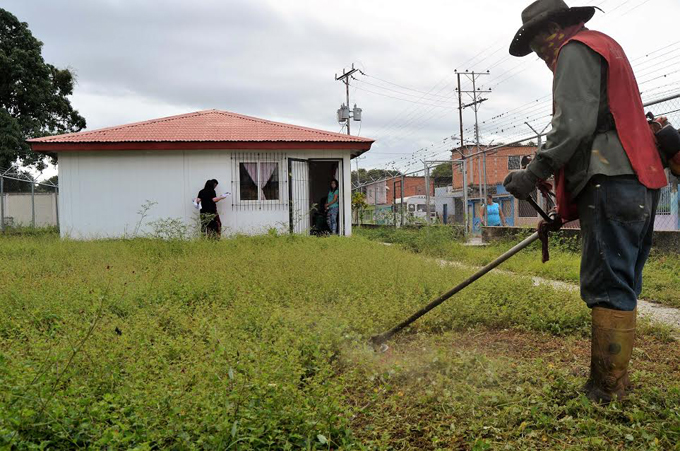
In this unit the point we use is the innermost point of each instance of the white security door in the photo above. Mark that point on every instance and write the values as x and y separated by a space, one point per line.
298 195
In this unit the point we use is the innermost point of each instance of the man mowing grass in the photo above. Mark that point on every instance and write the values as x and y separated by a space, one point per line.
607 174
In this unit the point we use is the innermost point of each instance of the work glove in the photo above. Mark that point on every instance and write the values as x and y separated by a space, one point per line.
520 183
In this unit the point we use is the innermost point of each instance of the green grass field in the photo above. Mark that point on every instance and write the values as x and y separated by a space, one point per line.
661 274
260 343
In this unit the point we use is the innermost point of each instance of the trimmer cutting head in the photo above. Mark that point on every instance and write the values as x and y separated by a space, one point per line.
378 342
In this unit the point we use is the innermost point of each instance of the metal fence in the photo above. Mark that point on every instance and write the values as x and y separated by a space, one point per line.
418 198
26 202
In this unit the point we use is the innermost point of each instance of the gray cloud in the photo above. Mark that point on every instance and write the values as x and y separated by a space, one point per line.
276 59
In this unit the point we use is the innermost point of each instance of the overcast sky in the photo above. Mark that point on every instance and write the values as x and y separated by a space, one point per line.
276 59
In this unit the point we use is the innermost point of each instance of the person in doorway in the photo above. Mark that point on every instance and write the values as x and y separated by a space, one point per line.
320 218
607 174
211 225
494 213
333 207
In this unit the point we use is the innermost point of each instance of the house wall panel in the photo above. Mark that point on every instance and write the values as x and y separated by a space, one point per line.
102 193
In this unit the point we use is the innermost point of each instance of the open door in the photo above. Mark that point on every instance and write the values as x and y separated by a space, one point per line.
298 195
321 172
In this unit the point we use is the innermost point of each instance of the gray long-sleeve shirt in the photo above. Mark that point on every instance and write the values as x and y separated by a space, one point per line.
583 138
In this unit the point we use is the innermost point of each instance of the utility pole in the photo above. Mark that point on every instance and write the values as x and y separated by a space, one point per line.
462 154
476 101
460 113
427 192
344 113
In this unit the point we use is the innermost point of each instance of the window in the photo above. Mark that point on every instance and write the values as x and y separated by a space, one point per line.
514 162
259 180
421 207
411 208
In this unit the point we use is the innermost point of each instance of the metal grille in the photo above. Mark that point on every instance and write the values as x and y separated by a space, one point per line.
298 194
525 209
259 181
459 213
665 202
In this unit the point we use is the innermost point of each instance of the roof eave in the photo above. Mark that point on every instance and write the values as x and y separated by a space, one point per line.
358 147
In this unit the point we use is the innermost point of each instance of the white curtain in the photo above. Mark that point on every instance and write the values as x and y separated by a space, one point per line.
251 168
266 172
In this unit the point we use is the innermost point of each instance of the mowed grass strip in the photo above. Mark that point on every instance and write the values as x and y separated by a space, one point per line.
510 390
661 274
245 343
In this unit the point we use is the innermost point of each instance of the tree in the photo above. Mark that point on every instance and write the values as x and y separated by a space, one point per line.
33 95
45 188
442 175
358 204
443 170
19 183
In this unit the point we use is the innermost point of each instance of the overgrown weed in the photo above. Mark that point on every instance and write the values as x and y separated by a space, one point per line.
244 343
661 274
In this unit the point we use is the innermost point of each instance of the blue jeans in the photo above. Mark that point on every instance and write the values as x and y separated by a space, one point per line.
617 224
333 220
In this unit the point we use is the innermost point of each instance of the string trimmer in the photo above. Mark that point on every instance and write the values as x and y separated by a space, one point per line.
550 222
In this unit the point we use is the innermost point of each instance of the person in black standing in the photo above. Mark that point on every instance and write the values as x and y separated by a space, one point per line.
210 220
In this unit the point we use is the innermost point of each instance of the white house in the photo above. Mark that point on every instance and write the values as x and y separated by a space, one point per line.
275 173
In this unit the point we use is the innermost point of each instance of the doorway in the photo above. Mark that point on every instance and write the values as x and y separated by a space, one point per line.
321 172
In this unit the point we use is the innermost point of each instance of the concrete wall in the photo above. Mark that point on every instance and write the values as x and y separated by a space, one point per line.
102 192
444 196
413 186
18 209
496 166
376 193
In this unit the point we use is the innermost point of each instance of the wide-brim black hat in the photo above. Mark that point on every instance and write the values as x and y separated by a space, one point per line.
540 12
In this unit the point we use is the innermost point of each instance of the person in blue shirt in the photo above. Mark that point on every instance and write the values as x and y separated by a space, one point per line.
333 207
494 213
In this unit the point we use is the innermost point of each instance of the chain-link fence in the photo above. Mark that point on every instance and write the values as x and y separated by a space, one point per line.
426 197
667 211
26 202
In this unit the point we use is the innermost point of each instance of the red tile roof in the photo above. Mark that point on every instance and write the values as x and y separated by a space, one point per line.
204 129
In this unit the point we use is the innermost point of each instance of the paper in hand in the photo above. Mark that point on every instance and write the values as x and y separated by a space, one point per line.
226 193
197 205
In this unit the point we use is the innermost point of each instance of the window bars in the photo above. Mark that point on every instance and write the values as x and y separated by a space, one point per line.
259 181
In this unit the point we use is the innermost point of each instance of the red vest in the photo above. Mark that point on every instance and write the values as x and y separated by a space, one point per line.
629 116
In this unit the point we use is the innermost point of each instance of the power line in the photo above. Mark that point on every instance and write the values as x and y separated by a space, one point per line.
434 105
394 84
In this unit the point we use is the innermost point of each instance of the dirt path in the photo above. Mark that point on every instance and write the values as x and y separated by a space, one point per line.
656 312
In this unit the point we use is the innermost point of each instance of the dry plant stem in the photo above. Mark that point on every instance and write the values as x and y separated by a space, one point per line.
75 352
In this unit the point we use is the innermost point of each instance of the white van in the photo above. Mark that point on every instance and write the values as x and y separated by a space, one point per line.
416 207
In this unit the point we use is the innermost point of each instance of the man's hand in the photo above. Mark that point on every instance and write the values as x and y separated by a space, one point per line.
520 183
